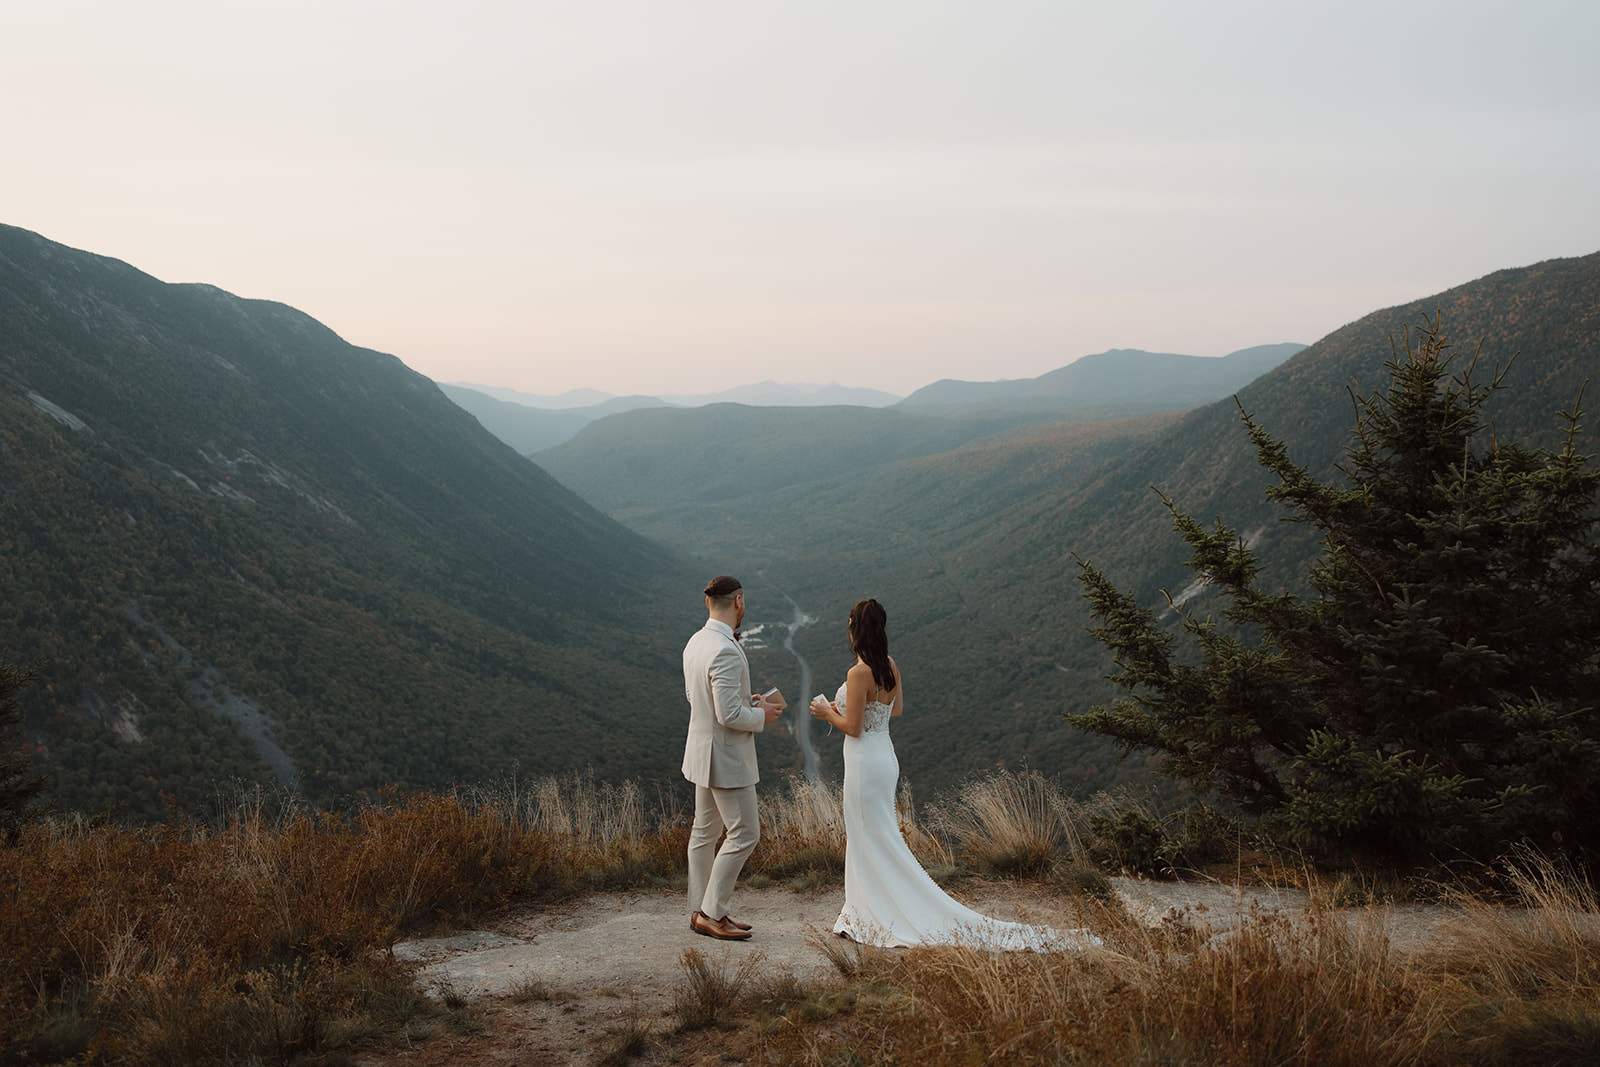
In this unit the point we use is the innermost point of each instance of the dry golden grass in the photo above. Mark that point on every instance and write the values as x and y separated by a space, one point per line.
1505 986
1008 823
802 832
264 938
611 836
711 987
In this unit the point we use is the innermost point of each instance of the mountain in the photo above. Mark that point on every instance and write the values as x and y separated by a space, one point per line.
767 393
530 429
237 546
971 547
670 457
572 398
791 394
1120 382
1026 615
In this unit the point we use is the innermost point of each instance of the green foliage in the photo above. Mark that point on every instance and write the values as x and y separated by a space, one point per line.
1437 693
1129 840
19 784
1133 838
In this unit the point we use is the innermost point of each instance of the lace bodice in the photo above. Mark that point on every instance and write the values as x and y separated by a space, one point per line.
874 718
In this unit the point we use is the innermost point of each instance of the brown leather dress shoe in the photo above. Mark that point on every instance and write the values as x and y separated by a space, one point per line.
717 928
736 924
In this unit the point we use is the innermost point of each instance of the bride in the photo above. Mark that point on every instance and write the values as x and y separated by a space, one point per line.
889 900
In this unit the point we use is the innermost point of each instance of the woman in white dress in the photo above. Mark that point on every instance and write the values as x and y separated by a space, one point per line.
889 900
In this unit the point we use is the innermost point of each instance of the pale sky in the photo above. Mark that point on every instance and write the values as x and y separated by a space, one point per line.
679 197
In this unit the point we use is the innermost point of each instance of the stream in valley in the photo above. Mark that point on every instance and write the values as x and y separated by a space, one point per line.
798 712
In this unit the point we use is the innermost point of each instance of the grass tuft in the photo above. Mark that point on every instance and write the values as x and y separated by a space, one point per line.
1505 986
710 988
1010 823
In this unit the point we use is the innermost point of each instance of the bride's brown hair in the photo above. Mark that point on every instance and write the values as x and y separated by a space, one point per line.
869 639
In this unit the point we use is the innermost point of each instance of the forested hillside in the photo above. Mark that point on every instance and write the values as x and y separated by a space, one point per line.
1549 313
525 429
235 545
662 457
971 549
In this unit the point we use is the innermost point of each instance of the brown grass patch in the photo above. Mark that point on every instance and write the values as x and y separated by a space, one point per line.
1008 823
711 987
1508 986
265 938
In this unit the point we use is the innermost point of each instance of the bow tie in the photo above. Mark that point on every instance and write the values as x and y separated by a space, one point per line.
737 636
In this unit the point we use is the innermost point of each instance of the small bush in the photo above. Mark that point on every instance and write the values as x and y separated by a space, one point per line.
1007 823
1130 841
710 989
1083 879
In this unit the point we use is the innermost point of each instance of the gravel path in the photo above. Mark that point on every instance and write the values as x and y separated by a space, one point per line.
556 984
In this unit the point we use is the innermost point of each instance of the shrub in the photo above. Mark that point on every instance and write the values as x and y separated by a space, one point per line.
1008 823
1130 841
709 988
1435 696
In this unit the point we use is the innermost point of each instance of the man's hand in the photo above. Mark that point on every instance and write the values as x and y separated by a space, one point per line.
771 704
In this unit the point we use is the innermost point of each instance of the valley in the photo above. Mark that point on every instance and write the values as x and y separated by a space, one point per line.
346 583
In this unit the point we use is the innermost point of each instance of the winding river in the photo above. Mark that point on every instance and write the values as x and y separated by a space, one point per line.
799 704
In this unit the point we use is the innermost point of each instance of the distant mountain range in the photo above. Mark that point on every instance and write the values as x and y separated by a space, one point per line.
238 547
530 422
1121 383
1117 383
781 394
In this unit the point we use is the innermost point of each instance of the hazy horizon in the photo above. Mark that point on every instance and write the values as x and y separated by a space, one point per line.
645 198
581 392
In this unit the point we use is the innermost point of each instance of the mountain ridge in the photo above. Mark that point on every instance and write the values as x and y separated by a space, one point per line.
219 517
529 428
1130 381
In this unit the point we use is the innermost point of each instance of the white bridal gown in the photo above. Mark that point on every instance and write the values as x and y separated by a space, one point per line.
889 900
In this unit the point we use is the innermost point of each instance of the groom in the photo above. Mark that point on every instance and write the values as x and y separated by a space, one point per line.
720 759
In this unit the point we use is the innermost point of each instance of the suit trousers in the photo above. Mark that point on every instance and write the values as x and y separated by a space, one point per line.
712 871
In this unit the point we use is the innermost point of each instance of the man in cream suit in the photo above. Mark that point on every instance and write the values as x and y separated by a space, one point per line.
720 759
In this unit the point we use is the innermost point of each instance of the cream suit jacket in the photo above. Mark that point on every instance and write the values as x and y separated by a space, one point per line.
721 750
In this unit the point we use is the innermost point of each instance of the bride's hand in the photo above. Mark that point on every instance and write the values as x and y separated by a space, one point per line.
820 709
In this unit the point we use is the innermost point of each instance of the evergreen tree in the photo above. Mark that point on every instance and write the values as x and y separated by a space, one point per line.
1437 693
18 788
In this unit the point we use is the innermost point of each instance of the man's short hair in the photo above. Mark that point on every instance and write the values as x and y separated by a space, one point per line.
722 587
